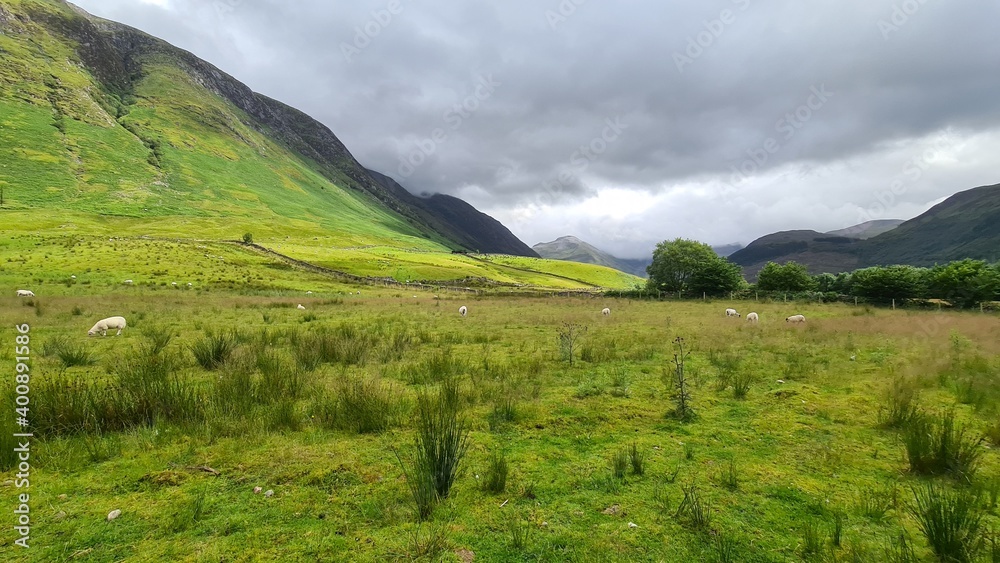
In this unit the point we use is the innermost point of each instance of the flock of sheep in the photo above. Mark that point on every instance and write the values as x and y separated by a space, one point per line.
118 323
753 318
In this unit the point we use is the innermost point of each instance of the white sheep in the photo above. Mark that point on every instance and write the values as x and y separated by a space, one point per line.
127 282
752 317
732 313
104 325
463 310
25 293
795 319
606 312
301 307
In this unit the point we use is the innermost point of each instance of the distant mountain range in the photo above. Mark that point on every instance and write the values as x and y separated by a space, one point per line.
966 225
868 229
572 249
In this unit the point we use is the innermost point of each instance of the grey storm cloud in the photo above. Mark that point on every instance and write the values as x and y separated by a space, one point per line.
771 114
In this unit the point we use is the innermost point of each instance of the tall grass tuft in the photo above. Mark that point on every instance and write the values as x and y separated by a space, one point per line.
361 406
952 521
214 349
812 545
70 406
520 533
504 412
637 458
146 389
742 381
495 480
693 510
157 338
67 352
899 408
874 503
726 549
939 447
441 442
899 549
619 464
730 476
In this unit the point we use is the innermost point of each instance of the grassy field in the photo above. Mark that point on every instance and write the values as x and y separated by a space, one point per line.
791 437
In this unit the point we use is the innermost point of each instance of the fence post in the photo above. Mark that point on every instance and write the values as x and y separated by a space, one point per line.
894 304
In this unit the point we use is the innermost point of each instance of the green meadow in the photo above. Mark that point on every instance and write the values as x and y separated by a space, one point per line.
795 448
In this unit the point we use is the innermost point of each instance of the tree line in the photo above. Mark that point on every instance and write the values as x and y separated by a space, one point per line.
692 269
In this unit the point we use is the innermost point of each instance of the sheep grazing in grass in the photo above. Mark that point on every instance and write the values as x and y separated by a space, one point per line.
127 282
795 319
25 293
732 313
463 310
606 312
301 307
104 325
752 318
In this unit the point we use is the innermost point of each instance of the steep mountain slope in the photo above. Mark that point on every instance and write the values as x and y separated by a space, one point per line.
868 229
572 249
458 220
820 252
966 225
102 120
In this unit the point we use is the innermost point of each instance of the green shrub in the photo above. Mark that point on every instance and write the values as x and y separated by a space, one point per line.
939 447
951 521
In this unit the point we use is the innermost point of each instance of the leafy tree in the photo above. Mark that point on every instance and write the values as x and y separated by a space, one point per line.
247 238
965 282
825 282
791 276
717 277
883 283
691 266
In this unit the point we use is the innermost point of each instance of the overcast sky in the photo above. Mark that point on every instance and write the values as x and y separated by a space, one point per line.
626 123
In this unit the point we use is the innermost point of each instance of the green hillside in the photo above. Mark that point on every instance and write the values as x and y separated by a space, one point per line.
167 151
966 225
107 131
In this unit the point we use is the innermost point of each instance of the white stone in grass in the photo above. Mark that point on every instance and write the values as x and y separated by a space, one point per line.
633 525
114 514
781 381
269 493
257 490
